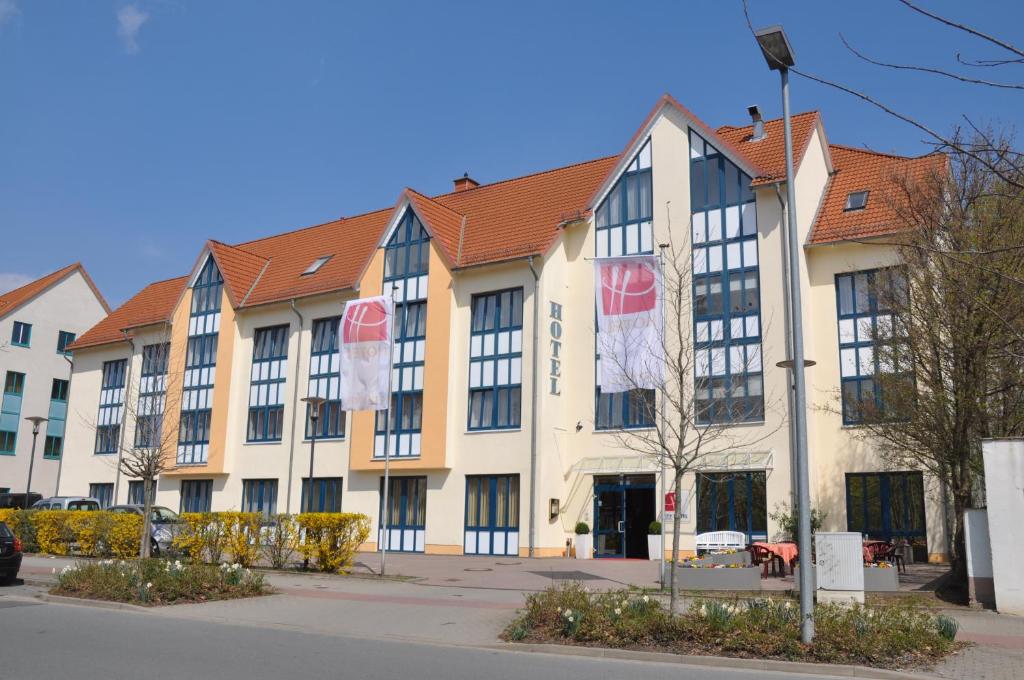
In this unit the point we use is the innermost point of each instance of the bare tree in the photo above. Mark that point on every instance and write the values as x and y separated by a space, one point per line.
691 429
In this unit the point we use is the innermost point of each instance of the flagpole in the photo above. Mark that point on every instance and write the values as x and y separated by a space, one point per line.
387 438
661 417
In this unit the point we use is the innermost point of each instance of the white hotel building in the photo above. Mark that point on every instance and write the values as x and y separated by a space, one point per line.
502 440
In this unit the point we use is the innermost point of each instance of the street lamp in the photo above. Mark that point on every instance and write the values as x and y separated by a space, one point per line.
36 422
779 55
314 415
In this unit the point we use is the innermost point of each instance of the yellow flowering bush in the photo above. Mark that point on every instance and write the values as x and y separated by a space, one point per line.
242 536
123 534
332 538
202 535
54 533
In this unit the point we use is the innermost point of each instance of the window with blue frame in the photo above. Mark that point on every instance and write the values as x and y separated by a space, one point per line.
886 505
623 225
53 445
733 501
266 387
196 495
10 411
326 494
21 334
868 340
406 264
728 379
496 360
104 493
64 338
108 422
137 492
200 366
324 367
259 495
152 388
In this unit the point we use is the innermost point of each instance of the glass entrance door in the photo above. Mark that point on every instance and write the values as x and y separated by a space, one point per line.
609 520
407 521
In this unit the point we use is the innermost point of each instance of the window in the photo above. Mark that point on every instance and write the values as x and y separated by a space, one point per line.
10 411
137 491
53 445
868 340
64 338
108 422
324 365
492 515
104 493
407 517
733 501
149 420
326 494
406 262
726 289
259 495
200 366
886 505
196 495
856 200
623 226
21 335
266 387
496 360
317 263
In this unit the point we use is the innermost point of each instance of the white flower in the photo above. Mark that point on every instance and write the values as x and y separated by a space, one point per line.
149 585
570 619
789 605
559 610
646 599
617 611
54 570
568 612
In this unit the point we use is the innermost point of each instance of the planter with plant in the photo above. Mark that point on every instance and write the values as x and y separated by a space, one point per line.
654 547
584 541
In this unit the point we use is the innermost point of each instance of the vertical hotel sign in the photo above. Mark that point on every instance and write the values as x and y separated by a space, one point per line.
555 329
629 322
365 338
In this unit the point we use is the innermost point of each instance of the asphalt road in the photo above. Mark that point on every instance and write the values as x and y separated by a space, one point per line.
56 641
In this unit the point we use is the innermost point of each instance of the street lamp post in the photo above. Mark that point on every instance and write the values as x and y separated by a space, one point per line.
779 55
36 422
314 415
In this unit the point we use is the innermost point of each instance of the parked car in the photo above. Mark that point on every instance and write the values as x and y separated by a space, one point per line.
10 554
67 503
163 525
17 500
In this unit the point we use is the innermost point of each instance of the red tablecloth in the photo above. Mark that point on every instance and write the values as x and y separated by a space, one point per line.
787 551
873 548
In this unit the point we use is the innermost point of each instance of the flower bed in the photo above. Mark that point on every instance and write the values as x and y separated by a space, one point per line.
158 581
726 557
890 636
702 575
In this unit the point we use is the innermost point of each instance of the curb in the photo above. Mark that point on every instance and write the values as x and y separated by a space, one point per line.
99 604
793 667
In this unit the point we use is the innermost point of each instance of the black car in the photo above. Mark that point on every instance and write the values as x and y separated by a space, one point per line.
10 555
17 500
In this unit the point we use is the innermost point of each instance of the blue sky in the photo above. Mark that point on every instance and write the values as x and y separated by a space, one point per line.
130 132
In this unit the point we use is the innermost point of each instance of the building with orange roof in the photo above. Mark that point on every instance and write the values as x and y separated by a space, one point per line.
37 323
501 441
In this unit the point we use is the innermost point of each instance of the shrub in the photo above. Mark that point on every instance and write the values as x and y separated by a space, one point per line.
202 535
241 536
158 581
947 627
280 541
332 538
654 528
789 519
582 529
19 521
54 533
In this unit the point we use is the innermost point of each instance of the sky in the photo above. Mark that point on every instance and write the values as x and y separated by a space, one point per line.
132 132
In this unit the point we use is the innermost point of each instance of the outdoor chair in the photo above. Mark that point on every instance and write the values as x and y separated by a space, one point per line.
766 558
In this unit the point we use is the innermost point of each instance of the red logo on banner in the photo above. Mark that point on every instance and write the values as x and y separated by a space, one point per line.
365 322
670 501
627 288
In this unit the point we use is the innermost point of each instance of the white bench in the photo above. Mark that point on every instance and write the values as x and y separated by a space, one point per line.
721 540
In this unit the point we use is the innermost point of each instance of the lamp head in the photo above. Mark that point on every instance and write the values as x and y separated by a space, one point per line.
775 47
36 422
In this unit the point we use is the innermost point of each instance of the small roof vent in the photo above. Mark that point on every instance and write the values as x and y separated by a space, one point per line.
757 134
317 263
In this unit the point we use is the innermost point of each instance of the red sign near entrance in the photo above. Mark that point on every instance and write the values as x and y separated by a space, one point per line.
670 502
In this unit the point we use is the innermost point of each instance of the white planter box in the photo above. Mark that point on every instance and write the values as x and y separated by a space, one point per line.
584 546
654 551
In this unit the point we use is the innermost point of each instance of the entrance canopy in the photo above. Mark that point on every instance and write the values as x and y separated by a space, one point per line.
633 463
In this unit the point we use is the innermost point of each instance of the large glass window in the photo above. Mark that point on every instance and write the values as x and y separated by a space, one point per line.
868 339
326 494
266 387
137 492
623 225
324 367
496 360
196 495
733 501
108 422
259 495
152 386
53 445
886 505
726 289
103 492
200 366
10 411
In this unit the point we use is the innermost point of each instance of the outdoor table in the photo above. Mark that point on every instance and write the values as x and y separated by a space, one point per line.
872 548
787 551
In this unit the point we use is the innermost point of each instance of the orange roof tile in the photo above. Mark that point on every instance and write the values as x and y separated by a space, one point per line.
864 170
769 153
153 304
239 268
13 299
443 222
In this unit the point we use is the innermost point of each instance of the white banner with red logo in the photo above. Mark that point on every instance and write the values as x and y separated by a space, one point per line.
364 341
629 323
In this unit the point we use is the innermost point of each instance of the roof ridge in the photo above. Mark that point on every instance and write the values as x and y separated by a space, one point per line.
40 278
437 202
311 226
769 120
526 176
873 152
234 247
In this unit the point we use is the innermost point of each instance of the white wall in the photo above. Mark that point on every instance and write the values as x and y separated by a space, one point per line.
1004 488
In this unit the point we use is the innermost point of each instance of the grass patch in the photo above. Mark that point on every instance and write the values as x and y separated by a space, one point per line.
887 636
158 581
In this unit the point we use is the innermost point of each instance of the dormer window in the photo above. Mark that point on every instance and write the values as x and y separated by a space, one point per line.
856 200
317 263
